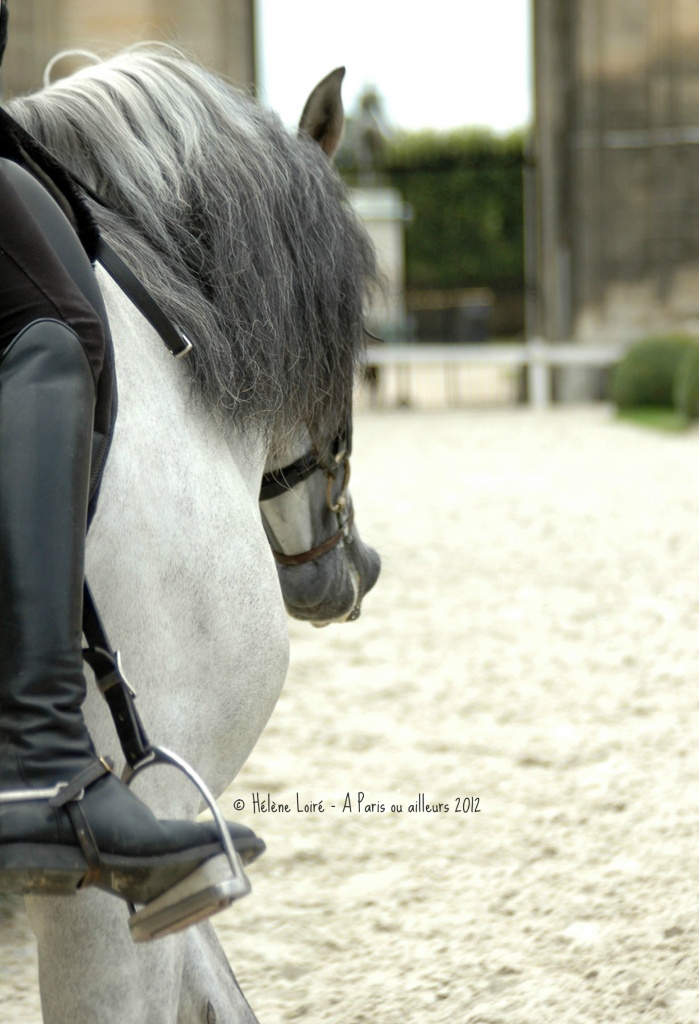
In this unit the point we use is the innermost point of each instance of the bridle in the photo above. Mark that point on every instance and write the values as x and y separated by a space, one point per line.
279 481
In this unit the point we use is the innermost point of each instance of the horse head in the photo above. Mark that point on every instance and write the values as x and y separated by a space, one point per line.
324 567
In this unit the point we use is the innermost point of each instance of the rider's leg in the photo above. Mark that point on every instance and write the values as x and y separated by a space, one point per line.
51 344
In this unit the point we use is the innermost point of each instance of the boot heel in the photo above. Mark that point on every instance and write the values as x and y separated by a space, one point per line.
40 870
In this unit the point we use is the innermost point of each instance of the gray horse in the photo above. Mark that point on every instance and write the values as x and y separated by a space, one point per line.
244 235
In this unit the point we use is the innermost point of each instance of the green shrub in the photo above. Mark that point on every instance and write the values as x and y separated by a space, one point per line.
646 375
668 421
686 391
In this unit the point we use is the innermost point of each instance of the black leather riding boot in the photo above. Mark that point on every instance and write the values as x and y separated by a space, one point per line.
46 410
55 837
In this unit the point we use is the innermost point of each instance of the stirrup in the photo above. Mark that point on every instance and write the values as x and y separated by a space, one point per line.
211 887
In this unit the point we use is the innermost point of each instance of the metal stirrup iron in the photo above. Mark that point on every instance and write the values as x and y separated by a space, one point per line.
216 883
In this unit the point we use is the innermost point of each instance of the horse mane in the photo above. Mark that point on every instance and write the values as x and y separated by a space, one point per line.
242 231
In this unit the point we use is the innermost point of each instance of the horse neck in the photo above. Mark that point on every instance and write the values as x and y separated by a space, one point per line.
178 539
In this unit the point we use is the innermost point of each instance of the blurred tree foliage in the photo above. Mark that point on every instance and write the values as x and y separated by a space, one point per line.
465 191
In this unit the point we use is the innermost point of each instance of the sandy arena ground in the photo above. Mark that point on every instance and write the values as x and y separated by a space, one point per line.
531 653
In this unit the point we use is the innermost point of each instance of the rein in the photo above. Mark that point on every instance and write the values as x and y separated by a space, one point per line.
174 339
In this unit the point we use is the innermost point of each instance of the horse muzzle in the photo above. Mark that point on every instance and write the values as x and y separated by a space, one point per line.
331 588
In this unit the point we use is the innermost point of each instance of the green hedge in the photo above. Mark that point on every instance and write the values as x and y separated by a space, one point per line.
648 373
686 390
465 192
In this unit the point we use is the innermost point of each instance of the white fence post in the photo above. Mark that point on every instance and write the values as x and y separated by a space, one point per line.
538 374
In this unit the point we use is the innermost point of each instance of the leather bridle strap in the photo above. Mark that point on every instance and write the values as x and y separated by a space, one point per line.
321 549
279 481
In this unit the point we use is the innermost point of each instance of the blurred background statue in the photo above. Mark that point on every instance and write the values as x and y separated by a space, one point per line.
372 131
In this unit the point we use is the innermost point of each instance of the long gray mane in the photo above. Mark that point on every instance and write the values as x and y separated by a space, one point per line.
241 230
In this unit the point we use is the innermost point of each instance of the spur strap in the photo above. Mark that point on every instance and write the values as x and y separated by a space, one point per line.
70 797
74 789
88 844
62 792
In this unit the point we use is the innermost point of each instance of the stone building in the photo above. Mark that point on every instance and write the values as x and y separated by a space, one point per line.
614 177
220 33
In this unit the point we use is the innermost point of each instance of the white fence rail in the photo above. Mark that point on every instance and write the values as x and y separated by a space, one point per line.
537 358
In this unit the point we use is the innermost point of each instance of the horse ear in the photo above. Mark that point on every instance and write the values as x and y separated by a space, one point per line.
323 117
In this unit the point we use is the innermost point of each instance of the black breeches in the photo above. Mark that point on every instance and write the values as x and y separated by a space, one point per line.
42 278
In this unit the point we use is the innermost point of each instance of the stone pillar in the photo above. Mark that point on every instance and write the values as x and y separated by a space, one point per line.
617 171
219 33
553 90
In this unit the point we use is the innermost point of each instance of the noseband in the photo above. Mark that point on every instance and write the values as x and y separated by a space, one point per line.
281 480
